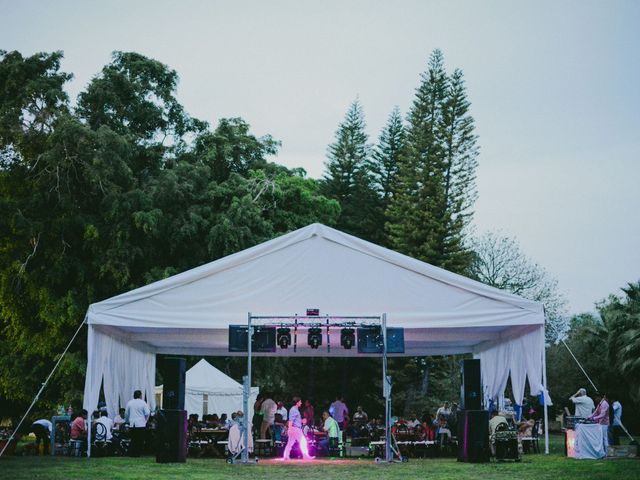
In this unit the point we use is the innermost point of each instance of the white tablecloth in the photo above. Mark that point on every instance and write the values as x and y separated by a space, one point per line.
590 441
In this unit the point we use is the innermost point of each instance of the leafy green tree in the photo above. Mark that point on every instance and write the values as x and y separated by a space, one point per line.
348 178
499 262
431 208
621 316
125 190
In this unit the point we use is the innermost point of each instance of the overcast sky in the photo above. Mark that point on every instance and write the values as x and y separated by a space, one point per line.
553 86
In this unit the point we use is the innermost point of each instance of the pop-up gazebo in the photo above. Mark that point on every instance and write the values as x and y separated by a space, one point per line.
320 267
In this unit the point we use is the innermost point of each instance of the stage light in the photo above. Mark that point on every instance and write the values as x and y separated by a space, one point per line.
284 337
347 338
314 338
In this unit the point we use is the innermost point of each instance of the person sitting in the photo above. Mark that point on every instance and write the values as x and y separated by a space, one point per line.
79 432
331 433
525 428
213 421
413 421
224 422
360 420
496 420
282 410
119 420
428 430
94 418
278 427
79 426
108 425
443 433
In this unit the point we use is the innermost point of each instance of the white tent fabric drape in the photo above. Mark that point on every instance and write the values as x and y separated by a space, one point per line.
120 369
520 358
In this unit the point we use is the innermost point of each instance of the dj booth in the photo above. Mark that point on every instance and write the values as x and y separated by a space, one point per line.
585 439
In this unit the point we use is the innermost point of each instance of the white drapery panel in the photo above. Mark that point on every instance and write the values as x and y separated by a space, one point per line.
521 358
120 368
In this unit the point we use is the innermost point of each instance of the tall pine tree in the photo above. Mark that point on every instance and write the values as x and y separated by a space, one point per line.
431 208
348 178
385 160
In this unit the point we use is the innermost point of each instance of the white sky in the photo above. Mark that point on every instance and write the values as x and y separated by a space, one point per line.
553 86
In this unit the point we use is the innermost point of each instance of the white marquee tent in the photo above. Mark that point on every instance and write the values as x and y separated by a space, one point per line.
208 391
320 267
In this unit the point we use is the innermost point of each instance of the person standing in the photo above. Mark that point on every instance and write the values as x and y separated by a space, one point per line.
136 415
295 432
268 408
308 413
616 422
42 430
340 412
584 404
601 417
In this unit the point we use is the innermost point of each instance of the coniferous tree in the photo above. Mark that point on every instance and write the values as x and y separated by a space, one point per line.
348 178
386 157
430 211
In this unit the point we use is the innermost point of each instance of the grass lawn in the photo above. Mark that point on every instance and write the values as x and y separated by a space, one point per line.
535 467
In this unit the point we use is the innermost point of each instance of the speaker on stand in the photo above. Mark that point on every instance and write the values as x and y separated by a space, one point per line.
470 385
171 436
171 425
473 422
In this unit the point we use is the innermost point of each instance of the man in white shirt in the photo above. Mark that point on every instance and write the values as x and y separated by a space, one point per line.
584 405
108 425
136 415
42 430
268 409
282 410
443 410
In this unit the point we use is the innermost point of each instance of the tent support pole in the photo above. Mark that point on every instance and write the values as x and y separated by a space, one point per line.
246 391
386 389
544 396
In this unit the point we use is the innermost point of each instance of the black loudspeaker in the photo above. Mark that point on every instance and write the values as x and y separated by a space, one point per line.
470 385
263 340
171 436
173 375
370 340
473 436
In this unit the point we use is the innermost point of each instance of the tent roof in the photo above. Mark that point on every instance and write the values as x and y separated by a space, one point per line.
204 376
315 267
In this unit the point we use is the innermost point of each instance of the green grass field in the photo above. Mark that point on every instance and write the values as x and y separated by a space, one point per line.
535 467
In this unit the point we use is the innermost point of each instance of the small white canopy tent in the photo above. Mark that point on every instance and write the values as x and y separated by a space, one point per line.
208 391
320 267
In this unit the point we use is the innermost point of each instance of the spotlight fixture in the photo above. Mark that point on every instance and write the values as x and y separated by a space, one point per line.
314 338
347 338
284 337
